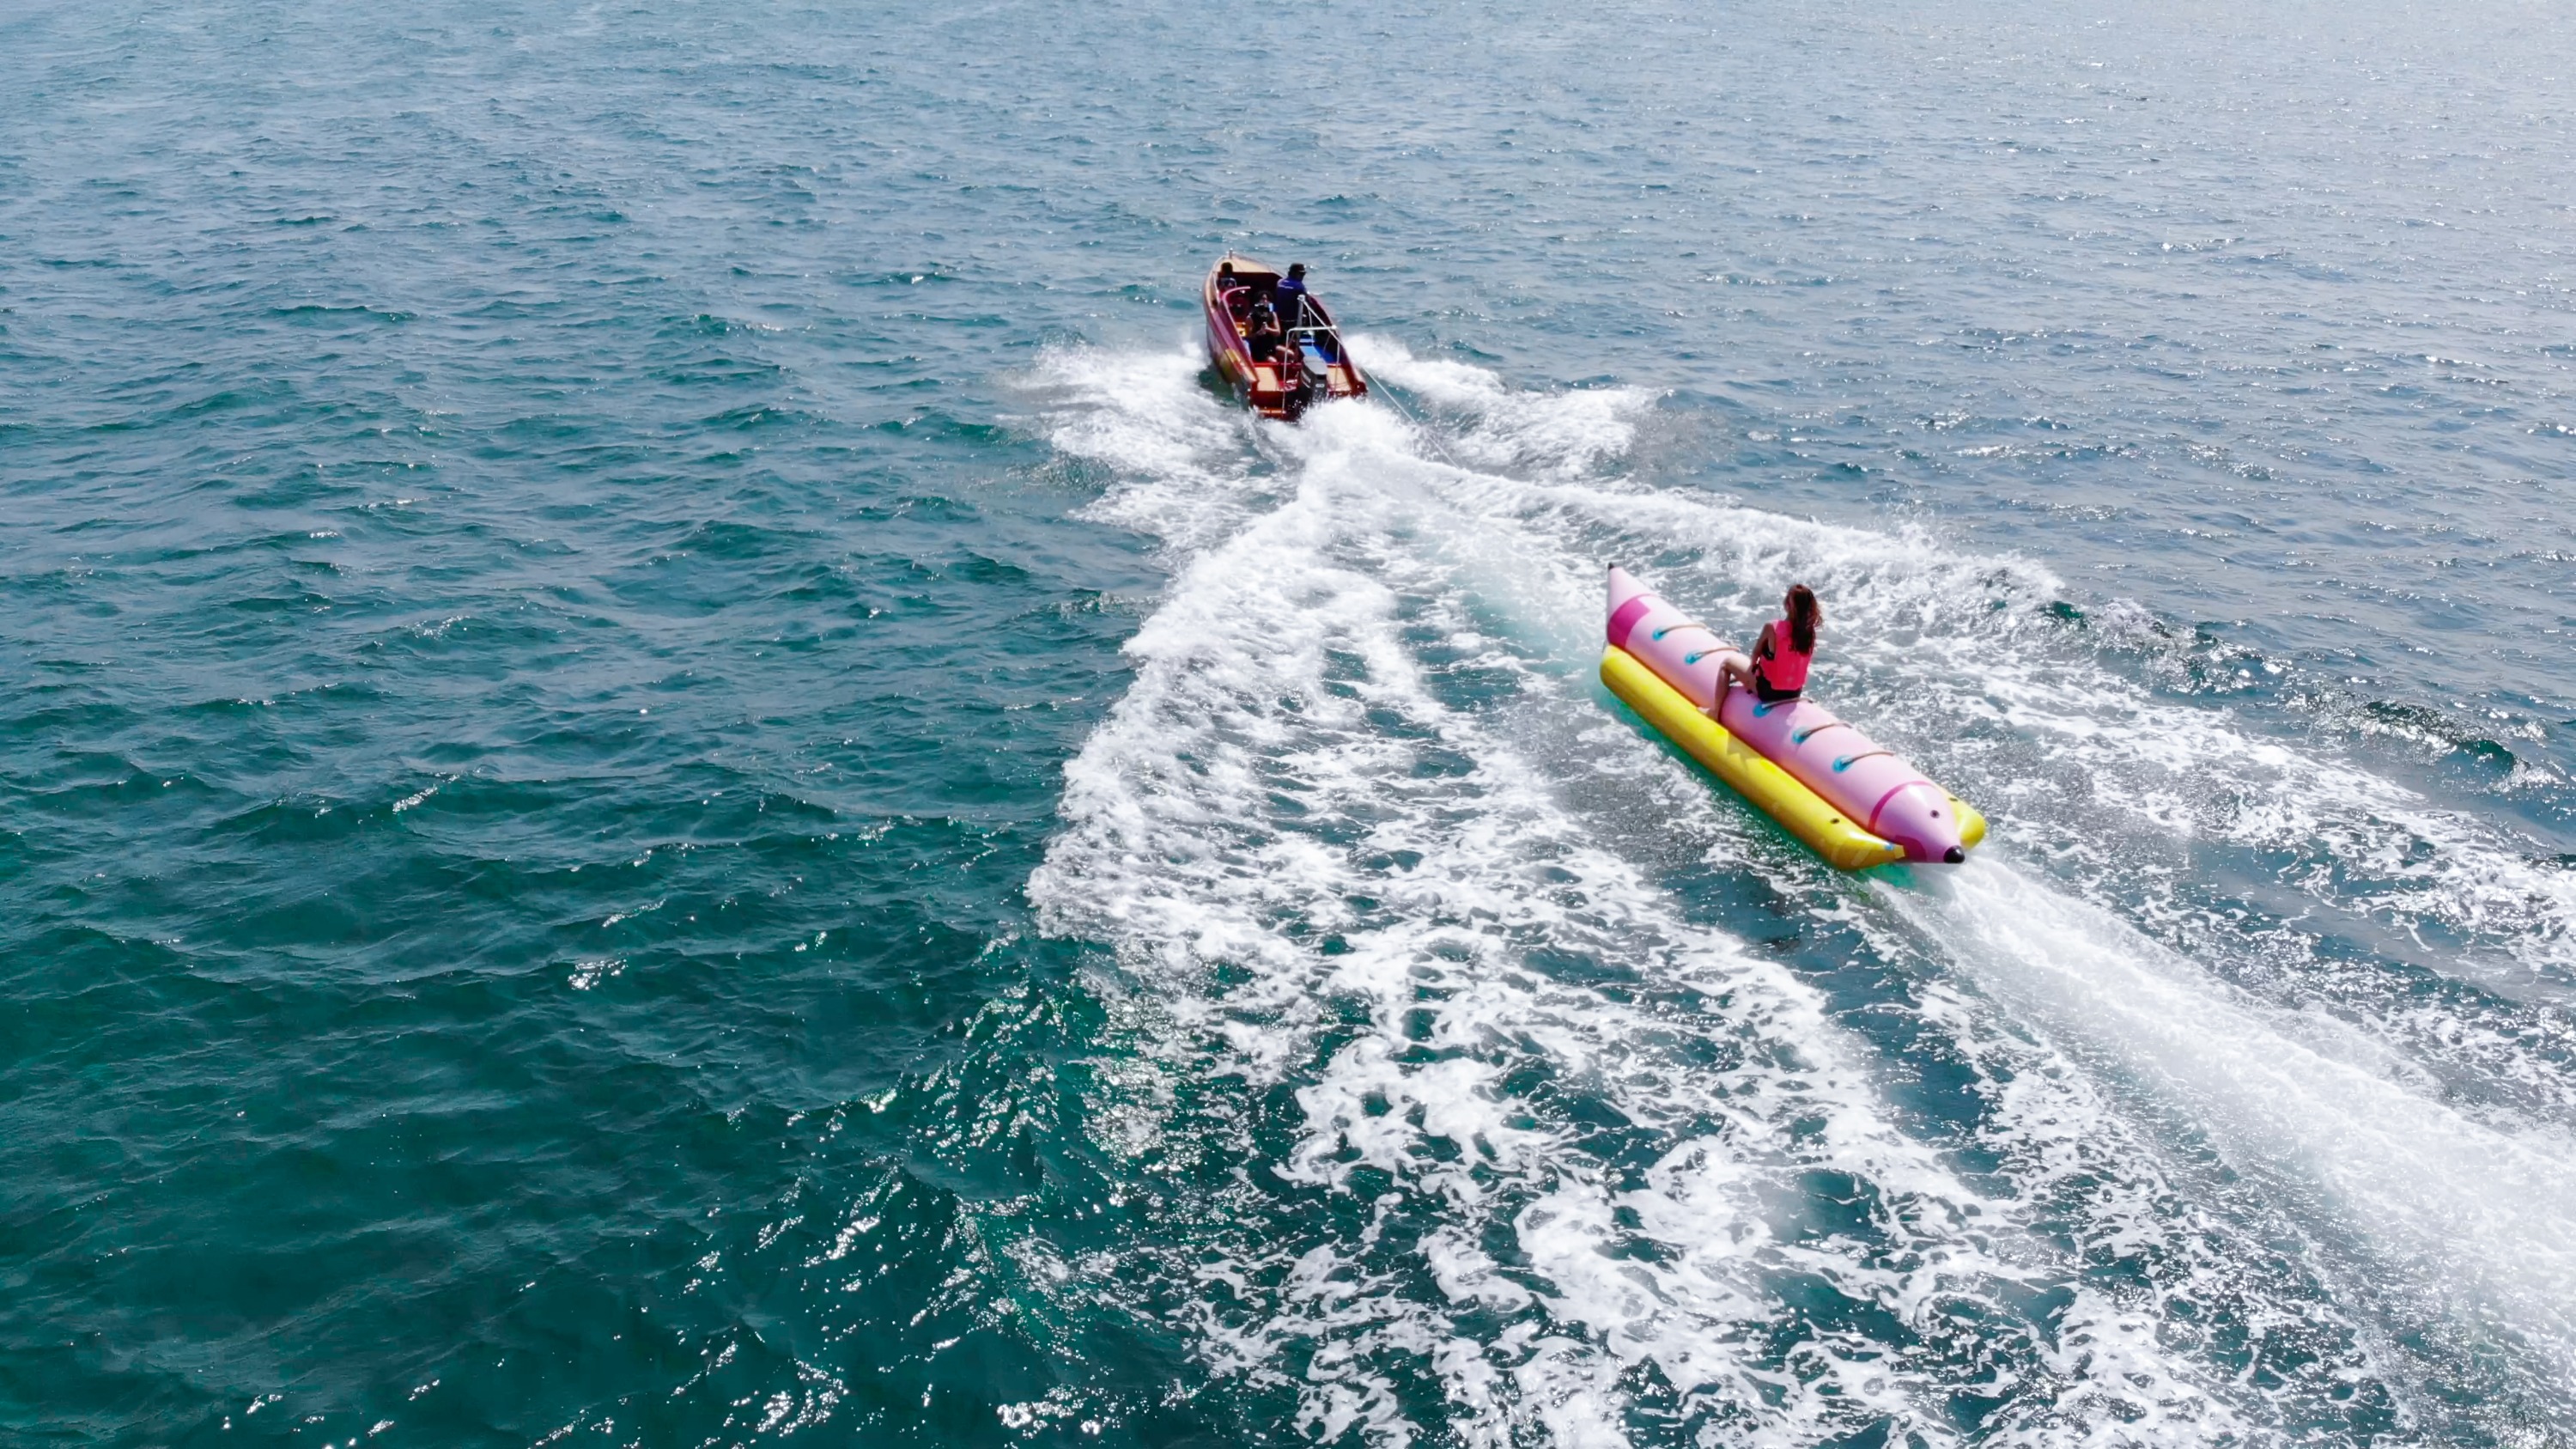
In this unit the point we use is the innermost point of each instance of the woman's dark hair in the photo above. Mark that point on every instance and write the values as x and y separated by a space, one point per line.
1804 615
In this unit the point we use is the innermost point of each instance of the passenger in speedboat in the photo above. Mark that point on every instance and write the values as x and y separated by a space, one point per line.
1291 292
1262 332
1777 671
1230 290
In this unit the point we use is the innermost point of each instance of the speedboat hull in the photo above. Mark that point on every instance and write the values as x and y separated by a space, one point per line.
1309 364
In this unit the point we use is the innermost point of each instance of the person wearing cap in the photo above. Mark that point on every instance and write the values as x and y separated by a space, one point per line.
1291 293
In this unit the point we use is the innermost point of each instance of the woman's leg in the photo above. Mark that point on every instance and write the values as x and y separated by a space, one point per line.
1733 669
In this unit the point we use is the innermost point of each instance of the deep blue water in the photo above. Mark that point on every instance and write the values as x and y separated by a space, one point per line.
670 779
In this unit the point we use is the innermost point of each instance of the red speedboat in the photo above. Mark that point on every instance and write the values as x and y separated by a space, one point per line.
1280 370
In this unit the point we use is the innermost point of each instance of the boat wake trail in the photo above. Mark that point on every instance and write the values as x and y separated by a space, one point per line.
2466 1229
1497 1083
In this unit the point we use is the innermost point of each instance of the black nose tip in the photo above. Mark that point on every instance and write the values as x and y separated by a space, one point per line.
1953 856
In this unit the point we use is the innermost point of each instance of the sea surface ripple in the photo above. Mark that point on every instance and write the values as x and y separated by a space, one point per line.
669 778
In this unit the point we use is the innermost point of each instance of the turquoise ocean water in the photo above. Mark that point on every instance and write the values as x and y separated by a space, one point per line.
668 778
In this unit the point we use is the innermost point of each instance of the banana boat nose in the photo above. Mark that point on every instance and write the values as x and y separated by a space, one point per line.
1953 856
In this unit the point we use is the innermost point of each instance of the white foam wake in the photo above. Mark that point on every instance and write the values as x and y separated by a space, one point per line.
1364 889
2469 1230
1362 832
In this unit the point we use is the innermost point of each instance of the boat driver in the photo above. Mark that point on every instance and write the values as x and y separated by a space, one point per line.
1291 292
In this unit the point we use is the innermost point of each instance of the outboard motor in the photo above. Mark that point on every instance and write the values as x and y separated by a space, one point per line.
1305 383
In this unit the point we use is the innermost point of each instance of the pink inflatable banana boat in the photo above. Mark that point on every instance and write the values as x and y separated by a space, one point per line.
1854 801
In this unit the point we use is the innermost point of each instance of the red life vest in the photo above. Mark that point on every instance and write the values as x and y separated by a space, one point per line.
1785 669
